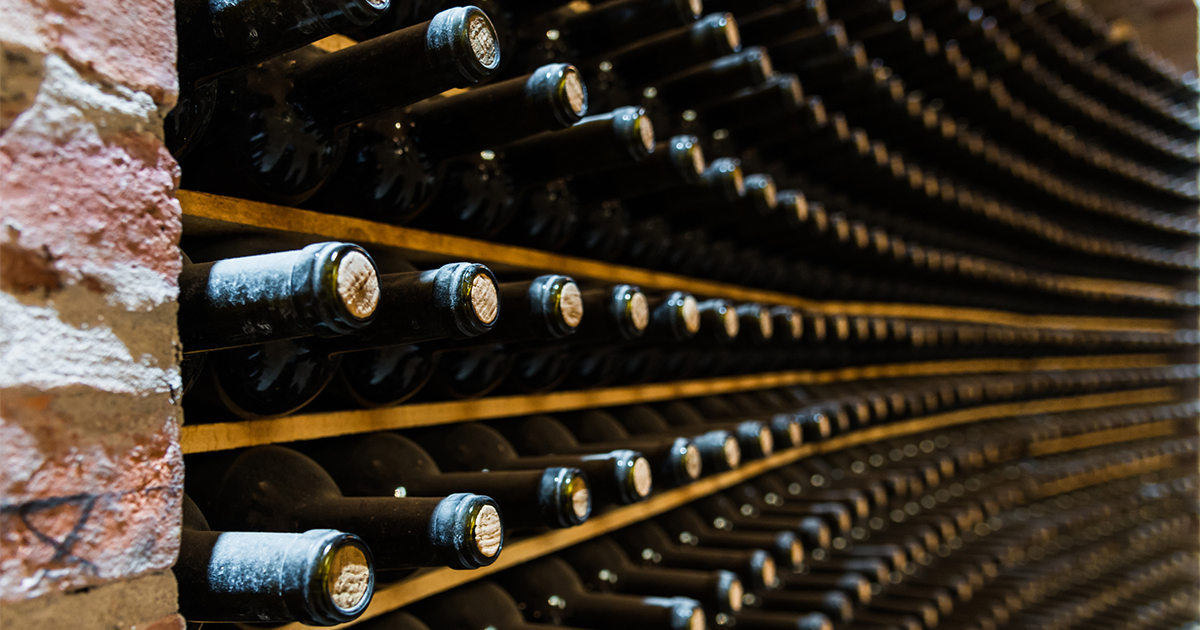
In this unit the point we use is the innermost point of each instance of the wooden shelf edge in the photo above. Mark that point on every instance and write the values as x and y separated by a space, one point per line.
200 438
216 209
431 582
1101 438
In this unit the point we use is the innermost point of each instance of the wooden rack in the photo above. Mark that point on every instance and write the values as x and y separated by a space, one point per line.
201 438
427 583
214 214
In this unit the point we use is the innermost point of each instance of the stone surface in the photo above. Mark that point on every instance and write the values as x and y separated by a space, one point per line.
147 603
125 42
91 472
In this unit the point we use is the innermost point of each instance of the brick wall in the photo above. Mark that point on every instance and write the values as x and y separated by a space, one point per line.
90 468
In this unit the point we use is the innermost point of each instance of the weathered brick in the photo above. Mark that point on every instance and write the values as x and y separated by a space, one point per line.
125 42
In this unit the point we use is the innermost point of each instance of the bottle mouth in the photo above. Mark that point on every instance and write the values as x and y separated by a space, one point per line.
761 191
691 462
733 590
573 93
766 571
637 311
570 304
766 441
689 311
766 326
730 323
484 298
463 42
732 452
640 479
356 282
729 28
725 175
348 575
572 496
688 158
487 531
796 554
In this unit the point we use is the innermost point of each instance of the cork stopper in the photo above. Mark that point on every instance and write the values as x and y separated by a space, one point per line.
357 284
697 620
768 572
639 310
797 553
349 577
733 452
766 441
766 326
696 7
795 433
645 130
581 504
575 92
485 300
483 41
697 155
643 477
730 319
736 592
691 315
733 36
796 323
489 531
691 462
570 304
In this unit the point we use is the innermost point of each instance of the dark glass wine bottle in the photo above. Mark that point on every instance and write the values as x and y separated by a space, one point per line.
616 23
479 604
604 566
617 475
395 165
677 459
813 532
754 437
279 129
276 489
651 543
690 528
548 590
675 50
678 161
320 577
719 448
325 289
387 464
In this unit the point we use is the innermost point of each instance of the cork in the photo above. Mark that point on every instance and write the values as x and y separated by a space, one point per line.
646 130
797 553
766 441
795 433
573 89
697 620
691 462
639 311
734 37
489 531
736 592
484 298
769 573
796 323
766 326
357 284
643 477
697 155
697 6
483 41
570 304
691 315
732 326
581 503
733 452
350 577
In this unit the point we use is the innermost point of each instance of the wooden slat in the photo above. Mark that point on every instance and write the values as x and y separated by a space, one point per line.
425 584
1100 438
199 438
206 213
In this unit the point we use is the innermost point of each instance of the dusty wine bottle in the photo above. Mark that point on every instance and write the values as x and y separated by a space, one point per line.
715 79
596 142
616 23
324 289
650 542
282 124
386 464
719 591
678 161
272 488
676 458
548 590
719 449
320 577
393 169
672 51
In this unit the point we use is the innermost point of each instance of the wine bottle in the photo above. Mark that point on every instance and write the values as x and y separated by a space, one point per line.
665 53
615 475
690 528
677 459
456 300
856 587
386 465
654 546
716 79
395 169
624 135
677 161
279 129
786 430
603 566
613 24
719 448
478 604
324 289
320 577
754 438
548 590
276 489
547 308
813 532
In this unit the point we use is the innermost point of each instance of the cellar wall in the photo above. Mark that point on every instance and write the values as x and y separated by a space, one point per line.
91 472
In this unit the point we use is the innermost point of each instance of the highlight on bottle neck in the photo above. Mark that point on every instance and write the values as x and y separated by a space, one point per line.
725 176
561 84
788 322
727 28
347 576
463 43
760 191
721 320
635 129
687 157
